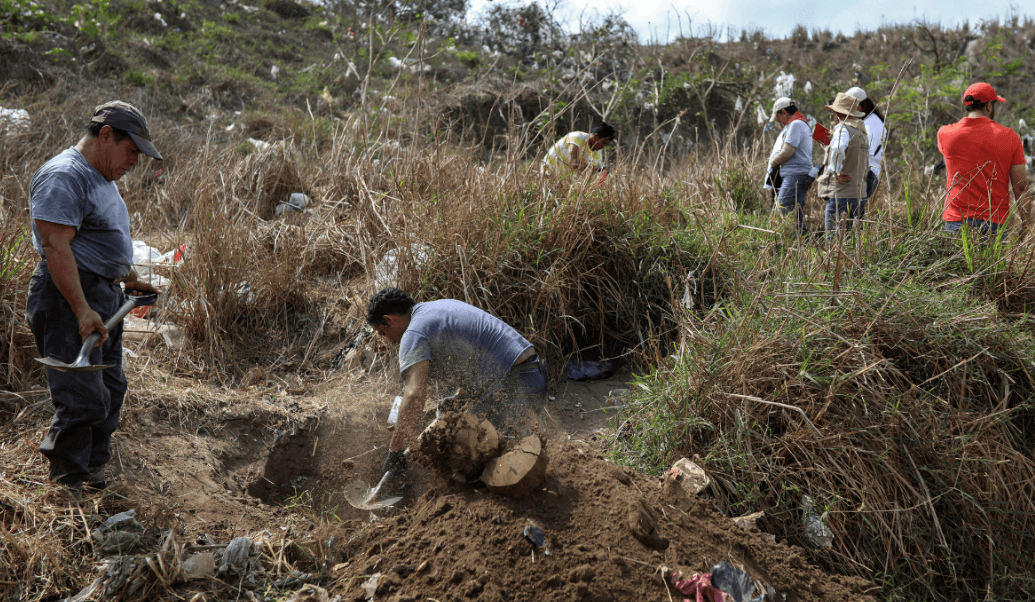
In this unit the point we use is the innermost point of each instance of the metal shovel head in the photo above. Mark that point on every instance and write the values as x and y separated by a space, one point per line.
62 366
359 495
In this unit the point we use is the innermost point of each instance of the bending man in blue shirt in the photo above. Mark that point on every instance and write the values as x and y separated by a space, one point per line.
496 371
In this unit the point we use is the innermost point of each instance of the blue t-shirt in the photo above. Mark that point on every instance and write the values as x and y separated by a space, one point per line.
69 191
798 134
467 347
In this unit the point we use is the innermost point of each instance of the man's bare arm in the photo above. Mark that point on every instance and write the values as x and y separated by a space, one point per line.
56 240
415 392
784 155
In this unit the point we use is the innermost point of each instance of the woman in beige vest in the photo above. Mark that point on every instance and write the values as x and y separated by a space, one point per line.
846 160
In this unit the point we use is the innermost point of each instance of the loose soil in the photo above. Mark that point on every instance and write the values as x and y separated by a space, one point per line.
271 465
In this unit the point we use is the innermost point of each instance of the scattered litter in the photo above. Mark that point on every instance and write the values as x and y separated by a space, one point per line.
119 534
199 565
274 71
14 122
589 370
172 335
312 593
816 530
691 477
386 272
738 584
393 416
536 536
749 521
237 557
784 85
370 585
259 144
699 586
294 579
295 203
158 17
618 397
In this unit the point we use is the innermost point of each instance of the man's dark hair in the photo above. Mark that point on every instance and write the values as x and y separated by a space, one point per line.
975 105
605 130
388 301
94 129
790 109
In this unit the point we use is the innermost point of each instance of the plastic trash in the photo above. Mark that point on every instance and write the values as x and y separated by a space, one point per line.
198 566
536 536
370 585
295 203
393 416
589 370
734 582
236 557
14 122
816 531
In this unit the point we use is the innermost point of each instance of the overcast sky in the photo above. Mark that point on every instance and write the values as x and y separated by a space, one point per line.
659 20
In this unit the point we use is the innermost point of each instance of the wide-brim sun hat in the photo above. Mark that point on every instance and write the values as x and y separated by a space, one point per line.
846 105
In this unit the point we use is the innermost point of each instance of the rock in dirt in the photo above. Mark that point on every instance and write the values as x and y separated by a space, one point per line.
519 472
458 446
690 476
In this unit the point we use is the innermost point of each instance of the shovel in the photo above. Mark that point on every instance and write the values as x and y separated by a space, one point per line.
358 495
82 361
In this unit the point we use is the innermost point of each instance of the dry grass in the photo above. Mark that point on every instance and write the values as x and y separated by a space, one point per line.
909 358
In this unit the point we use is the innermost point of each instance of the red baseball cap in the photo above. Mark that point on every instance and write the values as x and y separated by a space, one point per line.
980 92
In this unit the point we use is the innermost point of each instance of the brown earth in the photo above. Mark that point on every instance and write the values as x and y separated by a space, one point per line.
271 464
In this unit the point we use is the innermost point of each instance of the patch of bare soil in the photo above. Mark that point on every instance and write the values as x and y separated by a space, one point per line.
272 467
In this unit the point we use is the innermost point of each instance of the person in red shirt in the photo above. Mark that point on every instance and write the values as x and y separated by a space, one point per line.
984 161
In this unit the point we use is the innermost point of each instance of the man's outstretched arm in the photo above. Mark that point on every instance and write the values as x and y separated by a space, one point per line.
415 392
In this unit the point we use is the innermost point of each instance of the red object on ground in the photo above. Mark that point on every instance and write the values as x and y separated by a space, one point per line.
700 586
603 177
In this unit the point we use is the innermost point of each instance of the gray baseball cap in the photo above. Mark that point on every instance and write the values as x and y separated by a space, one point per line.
126 117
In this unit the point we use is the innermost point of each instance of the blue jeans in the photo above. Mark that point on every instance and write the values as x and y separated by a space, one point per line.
791 197
984 228
848 209
87 405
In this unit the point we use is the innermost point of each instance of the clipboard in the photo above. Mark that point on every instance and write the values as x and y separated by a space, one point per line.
821 134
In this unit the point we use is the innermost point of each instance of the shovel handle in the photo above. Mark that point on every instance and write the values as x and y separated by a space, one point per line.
130 304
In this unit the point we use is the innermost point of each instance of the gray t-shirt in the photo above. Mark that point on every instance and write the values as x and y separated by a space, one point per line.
467 347
798 134
69 191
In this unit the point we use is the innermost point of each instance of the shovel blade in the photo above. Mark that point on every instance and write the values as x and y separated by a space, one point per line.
59 365
361 496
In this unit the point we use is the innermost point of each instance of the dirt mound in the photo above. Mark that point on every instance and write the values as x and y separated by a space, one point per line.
609 531
457 446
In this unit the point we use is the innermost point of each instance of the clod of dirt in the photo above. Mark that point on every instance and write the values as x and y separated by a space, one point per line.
519 472
644 527
458 446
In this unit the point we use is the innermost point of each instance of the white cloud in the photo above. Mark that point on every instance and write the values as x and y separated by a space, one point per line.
662 20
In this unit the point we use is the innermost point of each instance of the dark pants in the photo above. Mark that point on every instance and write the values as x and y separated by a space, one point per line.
87 405
791 197
871 184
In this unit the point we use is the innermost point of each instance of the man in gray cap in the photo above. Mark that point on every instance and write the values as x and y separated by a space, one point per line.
80 228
